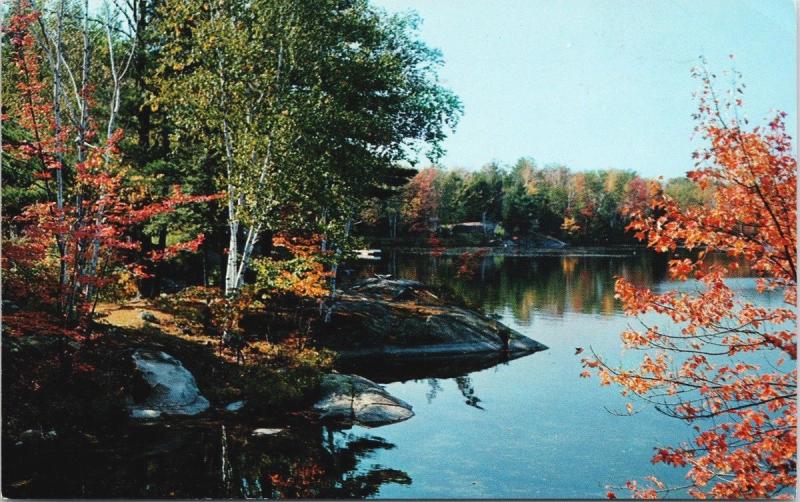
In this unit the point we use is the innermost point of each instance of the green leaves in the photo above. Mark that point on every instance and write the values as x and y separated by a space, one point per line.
305 105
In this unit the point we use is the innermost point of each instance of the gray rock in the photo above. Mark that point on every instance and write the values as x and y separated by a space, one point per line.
144 413
30 434
149 317
172 388
552 243
399 317
266 432
235 406
355 400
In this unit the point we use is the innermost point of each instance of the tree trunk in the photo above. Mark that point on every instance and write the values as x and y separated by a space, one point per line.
233 251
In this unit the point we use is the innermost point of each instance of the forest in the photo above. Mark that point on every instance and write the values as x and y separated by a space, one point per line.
189 188
523 200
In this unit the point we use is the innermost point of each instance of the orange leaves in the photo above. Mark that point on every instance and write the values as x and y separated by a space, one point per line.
421 199
703 365
173 250
300 246
633 339
680 269
304 275
670 456
80 241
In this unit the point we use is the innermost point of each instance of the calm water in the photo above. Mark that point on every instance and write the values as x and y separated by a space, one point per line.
528 428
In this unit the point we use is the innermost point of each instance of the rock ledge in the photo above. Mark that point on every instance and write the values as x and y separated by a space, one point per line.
352 399
404 318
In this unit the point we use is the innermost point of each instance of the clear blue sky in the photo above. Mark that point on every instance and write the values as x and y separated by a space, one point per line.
600 83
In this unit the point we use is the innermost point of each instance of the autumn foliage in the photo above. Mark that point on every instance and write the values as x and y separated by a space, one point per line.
723 362
77 241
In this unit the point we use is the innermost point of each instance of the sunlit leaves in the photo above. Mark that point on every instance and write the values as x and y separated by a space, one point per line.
708 367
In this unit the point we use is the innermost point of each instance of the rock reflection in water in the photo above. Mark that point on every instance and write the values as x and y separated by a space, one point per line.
431 369
203 460
399 369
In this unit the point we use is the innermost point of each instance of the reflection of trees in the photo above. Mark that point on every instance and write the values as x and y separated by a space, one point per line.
553 284
313 462
464 384
211 461
434 388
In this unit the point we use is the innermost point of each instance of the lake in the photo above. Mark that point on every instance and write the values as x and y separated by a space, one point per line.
526 428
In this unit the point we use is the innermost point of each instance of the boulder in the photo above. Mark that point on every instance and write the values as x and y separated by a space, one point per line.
171 388
235 406
148 317
266 432
352 399
400 317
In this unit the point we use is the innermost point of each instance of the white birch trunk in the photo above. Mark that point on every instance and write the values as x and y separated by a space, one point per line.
335 272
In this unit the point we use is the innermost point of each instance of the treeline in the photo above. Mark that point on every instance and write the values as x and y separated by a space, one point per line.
522 200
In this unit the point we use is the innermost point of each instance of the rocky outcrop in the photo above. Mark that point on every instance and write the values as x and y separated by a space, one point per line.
399 317
166 387
352 399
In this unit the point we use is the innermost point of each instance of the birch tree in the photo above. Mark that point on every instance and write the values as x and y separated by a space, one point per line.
304 106
68 38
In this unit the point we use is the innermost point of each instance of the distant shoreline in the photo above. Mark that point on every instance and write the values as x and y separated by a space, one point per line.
582 251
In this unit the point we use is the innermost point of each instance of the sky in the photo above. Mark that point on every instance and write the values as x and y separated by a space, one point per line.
595 84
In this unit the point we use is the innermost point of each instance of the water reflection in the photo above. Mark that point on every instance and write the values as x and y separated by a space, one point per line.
551 285
464 385
401 369
203 460
431 369
548 284
529 428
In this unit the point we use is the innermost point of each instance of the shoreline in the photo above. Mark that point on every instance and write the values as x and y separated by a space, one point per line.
580 251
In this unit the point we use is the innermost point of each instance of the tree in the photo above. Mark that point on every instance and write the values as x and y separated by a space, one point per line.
521 205
305 107
421 200
449 185
482 195
725 369
75 241
686 193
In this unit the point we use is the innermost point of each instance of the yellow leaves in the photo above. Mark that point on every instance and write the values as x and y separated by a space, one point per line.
570 225
629 408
